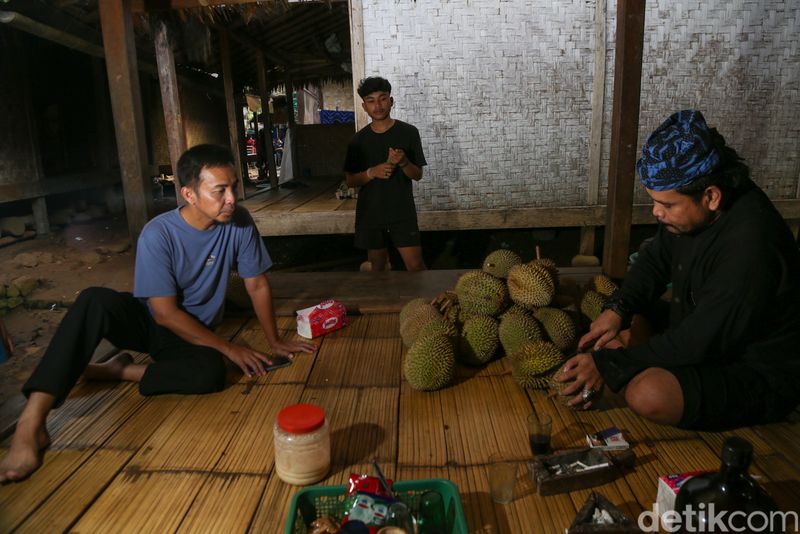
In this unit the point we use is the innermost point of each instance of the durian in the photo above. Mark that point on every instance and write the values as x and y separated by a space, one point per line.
516 329
500 261
478 341
439 326
592 304
533 363
416 321
531 285
410 307
558 325
551 267
515 309
430 363
557 387
480 293
603 285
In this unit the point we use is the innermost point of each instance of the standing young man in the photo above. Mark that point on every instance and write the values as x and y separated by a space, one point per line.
383 158
183 259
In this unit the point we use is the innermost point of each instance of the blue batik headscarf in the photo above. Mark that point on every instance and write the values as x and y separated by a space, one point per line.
680 151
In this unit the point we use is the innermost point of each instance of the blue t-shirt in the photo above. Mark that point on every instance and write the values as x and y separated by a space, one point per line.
175 259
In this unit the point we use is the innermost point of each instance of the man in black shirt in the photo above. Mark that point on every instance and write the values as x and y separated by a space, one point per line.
731 354
383 158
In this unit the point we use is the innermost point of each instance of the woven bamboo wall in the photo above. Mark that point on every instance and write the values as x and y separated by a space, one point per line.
501 92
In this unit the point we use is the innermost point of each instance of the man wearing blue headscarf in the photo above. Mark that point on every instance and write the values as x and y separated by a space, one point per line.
731 353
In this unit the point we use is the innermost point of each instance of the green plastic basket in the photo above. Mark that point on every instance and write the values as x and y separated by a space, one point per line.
310 503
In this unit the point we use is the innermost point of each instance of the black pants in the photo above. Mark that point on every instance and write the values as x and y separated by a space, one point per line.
98 313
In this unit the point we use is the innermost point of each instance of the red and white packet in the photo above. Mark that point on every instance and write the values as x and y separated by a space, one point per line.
327 316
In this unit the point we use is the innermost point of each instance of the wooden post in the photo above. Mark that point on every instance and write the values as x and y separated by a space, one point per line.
104 131
20 65
292 126
269 151
596 132
230 105
123 82
624 135
171 102
357 60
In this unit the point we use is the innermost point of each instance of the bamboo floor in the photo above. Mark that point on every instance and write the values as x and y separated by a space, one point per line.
121 462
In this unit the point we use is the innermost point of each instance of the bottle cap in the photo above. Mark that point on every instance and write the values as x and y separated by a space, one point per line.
301 418
737 452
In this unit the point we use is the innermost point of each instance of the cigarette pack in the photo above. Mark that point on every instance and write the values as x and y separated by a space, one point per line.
609 439
327 316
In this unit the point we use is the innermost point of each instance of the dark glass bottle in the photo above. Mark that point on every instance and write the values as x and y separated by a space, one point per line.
708 501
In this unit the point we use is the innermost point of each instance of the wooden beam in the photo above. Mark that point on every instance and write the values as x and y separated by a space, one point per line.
170 101
357 60
55 185
284 223
126 104
269 152
624 135
144 6
234 115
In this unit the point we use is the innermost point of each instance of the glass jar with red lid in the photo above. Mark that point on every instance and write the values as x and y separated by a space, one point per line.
302 444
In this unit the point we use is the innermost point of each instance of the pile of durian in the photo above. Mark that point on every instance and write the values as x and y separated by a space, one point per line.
508 308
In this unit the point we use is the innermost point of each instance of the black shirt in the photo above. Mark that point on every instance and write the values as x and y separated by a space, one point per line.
735 297
381 202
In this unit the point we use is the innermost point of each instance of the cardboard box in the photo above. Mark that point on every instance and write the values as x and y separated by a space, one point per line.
327 316
668 488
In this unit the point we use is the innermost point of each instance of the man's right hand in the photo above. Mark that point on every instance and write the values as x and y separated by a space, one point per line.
382 171
251 362
602 330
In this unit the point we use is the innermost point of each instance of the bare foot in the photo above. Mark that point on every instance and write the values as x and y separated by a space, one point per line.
24 456
112 369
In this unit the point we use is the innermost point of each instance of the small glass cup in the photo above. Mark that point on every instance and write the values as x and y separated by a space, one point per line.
540 427
502 478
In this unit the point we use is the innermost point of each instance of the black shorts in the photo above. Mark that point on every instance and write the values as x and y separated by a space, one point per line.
718 397
400 234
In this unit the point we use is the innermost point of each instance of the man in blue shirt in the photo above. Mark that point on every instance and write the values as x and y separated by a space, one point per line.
182 264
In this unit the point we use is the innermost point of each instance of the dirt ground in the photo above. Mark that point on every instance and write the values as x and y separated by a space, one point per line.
80 255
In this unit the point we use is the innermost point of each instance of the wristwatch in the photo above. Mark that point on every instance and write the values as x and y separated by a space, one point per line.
618 306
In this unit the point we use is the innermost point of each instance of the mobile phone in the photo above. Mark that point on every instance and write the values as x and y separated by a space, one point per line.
278 362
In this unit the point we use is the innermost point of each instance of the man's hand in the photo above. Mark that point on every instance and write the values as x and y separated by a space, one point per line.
602 330
288 348
587 380
382 171
250 361
397 156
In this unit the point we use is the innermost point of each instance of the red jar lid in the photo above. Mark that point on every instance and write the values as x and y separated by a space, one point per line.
301 418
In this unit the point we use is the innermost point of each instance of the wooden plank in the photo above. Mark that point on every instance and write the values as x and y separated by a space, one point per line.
624 135
302 195
234 115
55 185
123 80
170 100
275 221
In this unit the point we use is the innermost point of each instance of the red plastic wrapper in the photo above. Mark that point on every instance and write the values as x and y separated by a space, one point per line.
367 501
327 316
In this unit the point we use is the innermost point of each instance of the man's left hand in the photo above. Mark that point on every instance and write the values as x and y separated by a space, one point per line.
397 156
288 348
588 383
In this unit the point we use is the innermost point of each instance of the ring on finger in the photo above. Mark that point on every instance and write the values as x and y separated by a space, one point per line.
587 394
